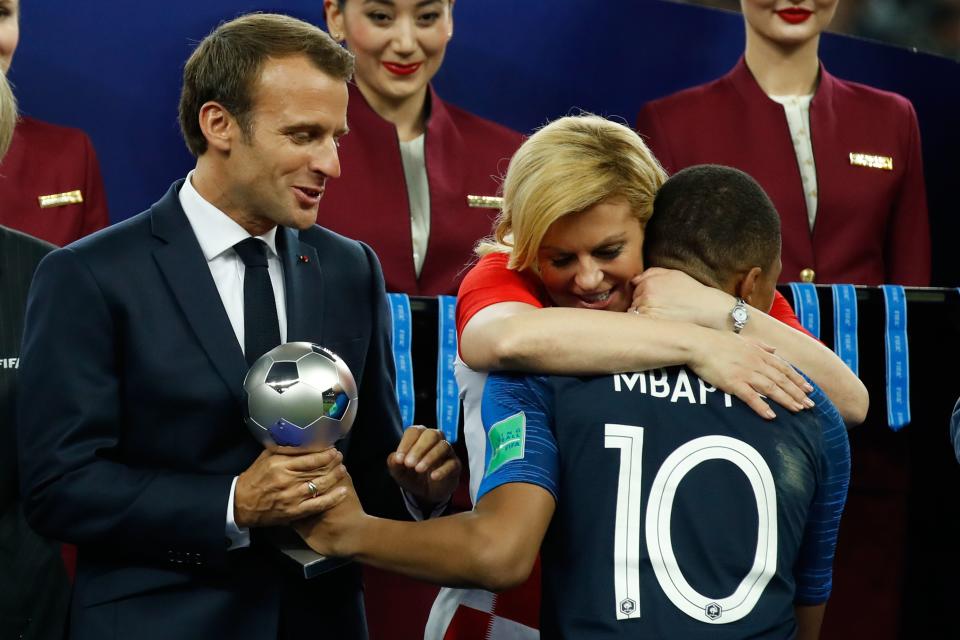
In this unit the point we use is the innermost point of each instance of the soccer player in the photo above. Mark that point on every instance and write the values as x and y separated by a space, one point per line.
666 508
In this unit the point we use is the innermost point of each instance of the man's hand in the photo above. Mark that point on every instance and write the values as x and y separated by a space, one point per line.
332 532
425 466
286 484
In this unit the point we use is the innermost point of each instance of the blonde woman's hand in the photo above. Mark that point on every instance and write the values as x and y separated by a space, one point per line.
667 294
752 372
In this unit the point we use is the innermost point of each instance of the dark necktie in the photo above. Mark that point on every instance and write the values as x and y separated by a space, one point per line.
261 329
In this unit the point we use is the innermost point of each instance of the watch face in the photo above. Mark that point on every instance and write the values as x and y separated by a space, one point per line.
740 314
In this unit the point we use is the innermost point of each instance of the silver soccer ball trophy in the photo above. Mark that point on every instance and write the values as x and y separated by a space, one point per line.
300 395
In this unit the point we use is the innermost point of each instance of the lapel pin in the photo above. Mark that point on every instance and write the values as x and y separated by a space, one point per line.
303 259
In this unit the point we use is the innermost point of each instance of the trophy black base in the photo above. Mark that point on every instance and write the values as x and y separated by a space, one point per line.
298 557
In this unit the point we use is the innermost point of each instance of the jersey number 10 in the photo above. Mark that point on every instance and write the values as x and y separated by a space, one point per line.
630 521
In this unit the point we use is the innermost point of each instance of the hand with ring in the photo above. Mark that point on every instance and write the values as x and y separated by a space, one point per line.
285 484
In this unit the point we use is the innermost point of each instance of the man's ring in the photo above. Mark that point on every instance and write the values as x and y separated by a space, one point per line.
312 488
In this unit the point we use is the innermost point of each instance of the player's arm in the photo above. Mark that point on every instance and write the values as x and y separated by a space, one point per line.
667 294
496 544
813 569
493 547
809 621
519 336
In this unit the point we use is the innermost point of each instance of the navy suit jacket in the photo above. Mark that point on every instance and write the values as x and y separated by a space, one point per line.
131 428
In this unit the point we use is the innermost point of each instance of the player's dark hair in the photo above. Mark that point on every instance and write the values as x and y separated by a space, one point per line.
226 66
712 222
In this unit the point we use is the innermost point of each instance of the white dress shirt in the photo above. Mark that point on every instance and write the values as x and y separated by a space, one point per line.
217 233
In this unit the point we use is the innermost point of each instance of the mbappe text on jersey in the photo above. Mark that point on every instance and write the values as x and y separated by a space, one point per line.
658 384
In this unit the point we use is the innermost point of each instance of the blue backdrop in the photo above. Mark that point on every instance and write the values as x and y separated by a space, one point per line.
113 68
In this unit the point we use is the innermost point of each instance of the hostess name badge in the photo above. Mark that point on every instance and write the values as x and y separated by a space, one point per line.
60 199
485 202
507 440
871 161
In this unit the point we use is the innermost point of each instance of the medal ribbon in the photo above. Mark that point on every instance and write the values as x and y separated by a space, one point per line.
807 306
448 393
845 342
898 357
401 322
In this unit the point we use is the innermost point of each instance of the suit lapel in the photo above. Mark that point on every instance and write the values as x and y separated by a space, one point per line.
303 283
182 263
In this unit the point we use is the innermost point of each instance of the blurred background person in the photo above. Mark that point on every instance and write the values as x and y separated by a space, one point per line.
34 591
50 184
841 161
925 25
411 161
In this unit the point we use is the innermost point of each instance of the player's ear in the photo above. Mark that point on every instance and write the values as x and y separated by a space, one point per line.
746 287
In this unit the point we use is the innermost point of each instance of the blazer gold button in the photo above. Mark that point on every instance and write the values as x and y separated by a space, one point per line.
807 275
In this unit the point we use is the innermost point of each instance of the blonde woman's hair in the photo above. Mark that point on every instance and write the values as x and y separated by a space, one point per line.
566 167
8 114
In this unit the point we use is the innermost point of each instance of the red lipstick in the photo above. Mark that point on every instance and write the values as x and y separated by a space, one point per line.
399 69
794 15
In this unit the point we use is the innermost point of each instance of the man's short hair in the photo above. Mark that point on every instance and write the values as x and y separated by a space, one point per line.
712 222
226 66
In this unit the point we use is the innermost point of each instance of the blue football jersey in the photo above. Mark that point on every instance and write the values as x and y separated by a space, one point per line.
680 512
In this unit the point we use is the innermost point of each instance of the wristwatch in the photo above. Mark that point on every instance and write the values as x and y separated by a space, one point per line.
739 315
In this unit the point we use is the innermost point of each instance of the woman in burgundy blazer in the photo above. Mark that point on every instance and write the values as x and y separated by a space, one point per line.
870 223
399 47
50 185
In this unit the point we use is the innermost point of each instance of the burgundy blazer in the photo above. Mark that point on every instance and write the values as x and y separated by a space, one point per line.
46 159
871 225
465 154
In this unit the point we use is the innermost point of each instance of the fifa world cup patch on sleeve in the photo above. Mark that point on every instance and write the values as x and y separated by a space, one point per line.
507 439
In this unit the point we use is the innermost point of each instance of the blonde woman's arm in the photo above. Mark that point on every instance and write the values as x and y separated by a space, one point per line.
522 337
672 296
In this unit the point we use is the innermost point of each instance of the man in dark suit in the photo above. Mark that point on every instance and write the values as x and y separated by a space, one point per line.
131 436
34 591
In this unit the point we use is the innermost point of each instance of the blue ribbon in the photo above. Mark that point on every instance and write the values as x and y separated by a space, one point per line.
448 394
898 357
845 342
807 306
401 321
